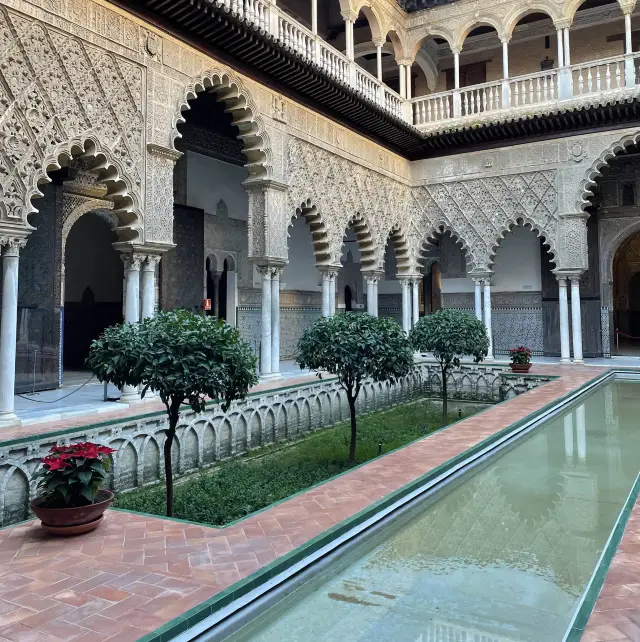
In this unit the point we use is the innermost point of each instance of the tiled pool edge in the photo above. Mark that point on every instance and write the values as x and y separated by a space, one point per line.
240 589
590 597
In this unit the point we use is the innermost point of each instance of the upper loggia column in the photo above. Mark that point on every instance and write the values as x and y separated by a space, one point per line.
567 47
148 283
406 304
314 17
349 20
506 94
477 290
559 37
565 347
9 328
132 263
379 46
415 300
265 322
408 81
565 90
487 316
275 321
457 102
576 319
629 65
403 80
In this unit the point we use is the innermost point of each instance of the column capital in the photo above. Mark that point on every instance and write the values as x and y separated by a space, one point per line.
379 42
372 277
404 61
132 261
149 262
276 272
456 50
265 271
627 6
328 271
505 38
11 245
349 15
563 23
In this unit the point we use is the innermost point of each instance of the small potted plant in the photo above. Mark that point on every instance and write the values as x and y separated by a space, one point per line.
70 499
520 359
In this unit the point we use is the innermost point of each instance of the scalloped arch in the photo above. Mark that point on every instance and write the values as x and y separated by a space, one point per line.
527 223
112 173
585 191
397 237
366 243
442 228
245 115
318 229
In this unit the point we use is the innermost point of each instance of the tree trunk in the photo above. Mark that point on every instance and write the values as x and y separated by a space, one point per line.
174 415
352 411
445 409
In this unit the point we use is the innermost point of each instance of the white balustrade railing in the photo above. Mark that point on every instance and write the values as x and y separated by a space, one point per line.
599 75
433 108
393 102
479 99
333 62
609 74
534 89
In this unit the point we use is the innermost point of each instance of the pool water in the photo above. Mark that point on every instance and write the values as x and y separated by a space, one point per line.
503 553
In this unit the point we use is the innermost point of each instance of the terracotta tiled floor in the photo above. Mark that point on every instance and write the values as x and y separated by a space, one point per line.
136 573
616 616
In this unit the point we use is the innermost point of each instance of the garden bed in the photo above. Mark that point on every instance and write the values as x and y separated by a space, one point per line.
241 486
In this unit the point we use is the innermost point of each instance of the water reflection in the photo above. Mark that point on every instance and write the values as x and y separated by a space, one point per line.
502 555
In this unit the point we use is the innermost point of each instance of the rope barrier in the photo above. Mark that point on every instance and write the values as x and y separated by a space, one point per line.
60 398
627 336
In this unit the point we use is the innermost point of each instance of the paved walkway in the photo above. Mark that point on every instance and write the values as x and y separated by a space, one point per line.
136 573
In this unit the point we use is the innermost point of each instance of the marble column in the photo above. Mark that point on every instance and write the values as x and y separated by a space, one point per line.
487 317
565 347
216 294
415 300
332 299
9 329
265 326
581 432
408 82
559 36
477 289
148 282
576 320
406 304
629 63
457 100
567 48
314 17
379 61
132 263
275 321
372 293
327 284
506 97
403 81
568 437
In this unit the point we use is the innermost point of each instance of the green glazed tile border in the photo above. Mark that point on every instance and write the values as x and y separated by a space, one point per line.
597 580
244 586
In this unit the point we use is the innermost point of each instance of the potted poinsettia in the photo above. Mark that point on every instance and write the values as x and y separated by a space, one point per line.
520 359
70 498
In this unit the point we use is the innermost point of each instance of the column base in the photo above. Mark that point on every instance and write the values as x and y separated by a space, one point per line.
269 376
489 359
578 362
565 360
9 420
130 396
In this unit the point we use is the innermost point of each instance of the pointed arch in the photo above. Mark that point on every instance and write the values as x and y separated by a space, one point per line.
527 223
112 172
245 115
318 228
366 244
594 171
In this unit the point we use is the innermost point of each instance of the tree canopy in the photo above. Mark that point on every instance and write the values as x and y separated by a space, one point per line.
184 357
354 347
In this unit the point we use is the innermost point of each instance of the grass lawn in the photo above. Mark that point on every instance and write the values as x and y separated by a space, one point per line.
241 486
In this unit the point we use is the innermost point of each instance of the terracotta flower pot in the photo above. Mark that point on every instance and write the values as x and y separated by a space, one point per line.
520 367
73 521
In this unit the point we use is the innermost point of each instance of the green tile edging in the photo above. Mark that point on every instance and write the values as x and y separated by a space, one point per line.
544 380
592 592
197 614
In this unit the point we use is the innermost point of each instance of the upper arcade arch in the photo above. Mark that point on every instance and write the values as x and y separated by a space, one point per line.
483 20
245 115
546 7
376 24
571 7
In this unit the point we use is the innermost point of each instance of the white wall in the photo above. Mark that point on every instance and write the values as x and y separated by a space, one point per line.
301 272
453 286
209 180
517 263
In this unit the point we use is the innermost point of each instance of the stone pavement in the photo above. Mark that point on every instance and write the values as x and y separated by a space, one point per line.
136 573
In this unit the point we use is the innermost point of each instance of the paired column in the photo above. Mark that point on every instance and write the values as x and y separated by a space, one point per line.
457 102
565 348
9 328
576 319
372 293
149 287
477 289
565 89
314 17
349 20
329 292
408 81
506 95
629 66
132 264
270 321
406 304
415 299
487 316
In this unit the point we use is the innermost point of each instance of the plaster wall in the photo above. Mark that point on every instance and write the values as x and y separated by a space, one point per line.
517 263
210 180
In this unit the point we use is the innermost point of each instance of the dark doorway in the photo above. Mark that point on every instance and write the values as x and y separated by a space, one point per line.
348 299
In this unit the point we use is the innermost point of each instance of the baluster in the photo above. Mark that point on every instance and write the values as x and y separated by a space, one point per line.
580 82
607 76
248 10
539 88
597 87
619 75
516 94
545 89
439 109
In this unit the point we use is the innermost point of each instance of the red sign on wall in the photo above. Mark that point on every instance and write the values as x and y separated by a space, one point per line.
207 305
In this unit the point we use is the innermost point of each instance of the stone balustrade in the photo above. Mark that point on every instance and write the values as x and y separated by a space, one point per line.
264 418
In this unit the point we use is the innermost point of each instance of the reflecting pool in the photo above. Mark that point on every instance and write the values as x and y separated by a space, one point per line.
501 554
